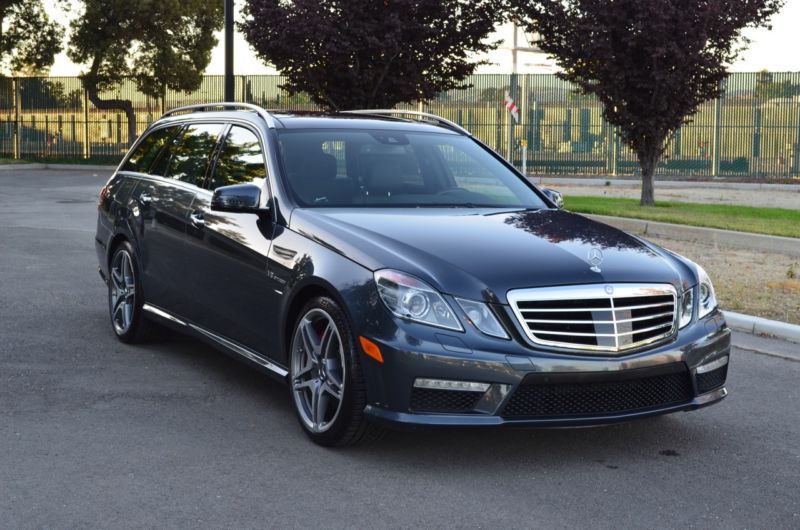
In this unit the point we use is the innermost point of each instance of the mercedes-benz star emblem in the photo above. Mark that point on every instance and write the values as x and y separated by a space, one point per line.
595 258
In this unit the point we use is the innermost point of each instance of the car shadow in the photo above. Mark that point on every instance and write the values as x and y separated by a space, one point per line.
663 437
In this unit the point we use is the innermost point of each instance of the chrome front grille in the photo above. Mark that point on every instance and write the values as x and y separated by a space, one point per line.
597 317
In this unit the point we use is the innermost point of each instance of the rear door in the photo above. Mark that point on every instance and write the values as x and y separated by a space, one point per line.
166 203
231 249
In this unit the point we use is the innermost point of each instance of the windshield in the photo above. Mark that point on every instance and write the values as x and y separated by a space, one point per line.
347 168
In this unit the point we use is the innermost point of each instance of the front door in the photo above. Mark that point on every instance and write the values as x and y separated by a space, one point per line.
230 272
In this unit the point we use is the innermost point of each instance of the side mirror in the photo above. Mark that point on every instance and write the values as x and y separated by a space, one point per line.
554 196
241 198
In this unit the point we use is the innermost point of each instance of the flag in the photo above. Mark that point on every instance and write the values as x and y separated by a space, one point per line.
511 107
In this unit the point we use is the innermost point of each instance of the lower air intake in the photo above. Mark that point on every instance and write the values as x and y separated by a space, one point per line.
556 395
428 400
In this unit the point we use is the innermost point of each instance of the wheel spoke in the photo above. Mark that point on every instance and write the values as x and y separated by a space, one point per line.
308 383
309 343
319 406
333 390
118 305
126 267
116 278
127 314
325 341
305 369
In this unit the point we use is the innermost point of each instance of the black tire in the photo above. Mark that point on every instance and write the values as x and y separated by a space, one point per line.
349 425
134 328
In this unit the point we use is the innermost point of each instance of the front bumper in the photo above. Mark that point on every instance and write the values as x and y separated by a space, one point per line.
391 393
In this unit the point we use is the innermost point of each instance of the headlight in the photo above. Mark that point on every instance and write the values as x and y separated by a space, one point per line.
483 318
706 299
410 298
686 307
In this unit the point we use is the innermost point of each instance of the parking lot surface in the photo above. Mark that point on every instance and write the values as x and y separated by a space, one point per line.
94 433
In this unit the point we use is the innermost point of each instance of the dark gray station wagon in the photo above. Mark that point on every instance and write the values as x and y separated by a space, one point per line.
394 271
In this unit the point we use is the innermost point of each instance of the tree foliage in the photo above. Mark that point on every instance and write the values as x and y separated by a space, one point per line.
651 63
159 44
29 40
368 53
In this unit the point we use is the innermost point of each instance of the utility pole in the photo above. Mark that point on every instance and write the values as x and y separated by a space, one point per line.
229 81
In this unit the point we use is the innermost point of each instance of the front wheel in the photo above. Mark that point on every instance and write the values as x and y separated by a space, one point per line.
326 382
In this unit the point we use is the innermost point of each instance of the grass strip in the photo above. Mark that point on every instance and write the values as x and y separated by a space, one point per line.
770 221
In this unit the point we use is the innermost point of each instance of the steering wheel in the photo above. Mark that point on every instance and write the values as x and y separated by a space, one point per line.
450 191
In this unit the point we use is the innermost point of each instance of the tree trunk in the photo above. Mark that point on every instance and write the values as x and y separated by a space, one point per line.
124 105
648 163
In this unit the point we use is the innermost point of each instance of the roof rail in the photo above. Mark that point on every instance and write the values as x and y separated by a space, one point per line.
224 106
421 116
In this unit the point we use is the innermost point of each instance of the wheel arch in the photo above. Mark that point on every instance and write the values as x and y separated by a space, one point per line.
302 293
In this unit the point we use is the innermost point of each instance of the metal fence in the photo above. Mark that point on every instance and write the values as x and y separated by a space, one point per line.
753 131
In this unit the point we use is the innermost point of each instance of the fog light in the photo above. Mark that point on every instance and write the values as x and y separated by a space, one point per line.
713 365
445 384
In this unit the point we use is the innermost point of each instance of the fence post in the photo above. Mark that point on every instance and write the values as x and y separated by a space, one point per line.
755 150
17 132
87 150
716 144
498 137
47 139
796 154
614 150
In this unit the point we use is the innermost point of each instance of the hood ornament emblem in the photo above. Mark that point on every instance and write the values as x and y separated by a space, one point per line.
595 258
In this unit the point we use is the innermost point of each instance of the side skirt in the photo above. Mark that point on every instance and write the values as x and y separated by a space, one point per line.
217 340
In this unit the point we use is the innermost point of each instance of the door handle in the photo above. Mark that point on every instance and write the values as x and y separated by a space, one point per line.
145 198
197 219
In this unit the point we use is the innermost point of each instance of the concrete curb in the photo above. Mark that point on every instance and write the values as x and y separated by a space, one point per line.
77 167
17 167
63 167
762 326
726 238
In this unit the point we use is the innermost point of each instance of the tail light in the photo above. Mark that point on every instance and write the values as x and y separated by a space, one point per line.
102 197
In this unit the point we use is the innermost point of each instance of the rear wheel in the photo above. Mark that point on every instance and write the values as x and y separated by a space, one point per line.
326 382
125 299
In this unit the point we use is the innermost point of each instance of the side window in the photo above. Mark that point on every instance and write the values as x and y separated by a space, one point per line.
148 149
240 159
188 156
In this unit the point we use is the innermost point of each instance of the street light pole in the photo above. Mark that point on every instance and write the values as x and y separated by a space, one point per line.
229 86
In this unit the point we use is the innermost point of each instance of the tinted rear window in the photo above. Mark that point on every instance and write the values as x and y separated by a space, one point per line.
146 152
186 159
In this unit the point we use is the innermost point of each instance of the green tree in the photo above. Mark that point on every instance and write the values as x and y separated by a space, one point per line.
651 63
368 53
159 44
29 40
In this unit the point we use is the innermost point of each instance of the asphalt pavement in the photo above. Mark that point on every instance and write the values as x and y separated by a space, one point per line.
97 434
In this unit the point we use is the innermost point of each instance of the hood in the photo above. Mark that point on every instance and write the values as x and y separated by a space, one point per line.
482 254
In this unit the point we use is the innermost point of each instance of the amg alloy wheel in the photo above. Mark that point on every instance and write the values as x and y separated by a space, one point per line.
125 299
122 291
318 370
326 382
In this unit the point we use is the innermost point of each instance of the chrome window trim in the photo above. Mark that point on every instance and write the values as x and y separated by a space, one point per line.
594 292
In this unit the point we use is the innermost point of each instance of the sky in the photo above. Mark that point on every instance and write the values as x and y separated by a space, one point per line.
776 50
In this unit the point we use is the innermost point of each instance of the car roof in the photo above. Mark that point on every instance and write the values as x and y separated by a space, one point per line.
321 120
289 119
